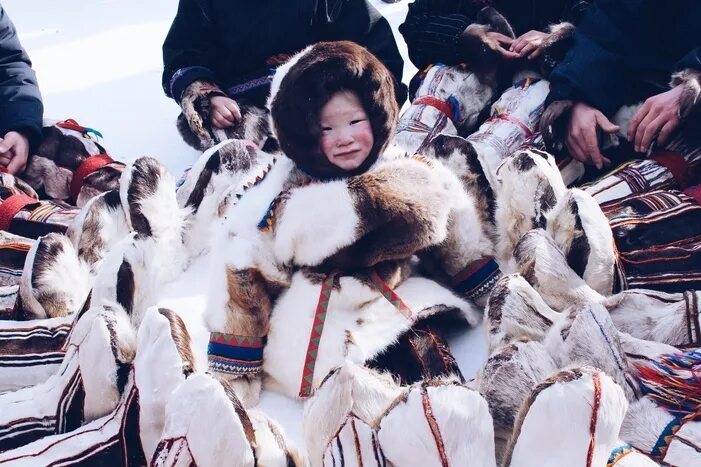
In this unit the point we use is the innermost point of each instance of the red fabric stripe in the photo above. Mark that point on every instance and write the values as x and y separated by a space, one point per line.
11 206
675 163
88 166
443 106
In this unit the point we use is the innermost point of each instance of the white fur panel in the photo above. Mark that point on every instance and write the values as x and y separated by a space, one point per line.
315 222
407 439
381 325
563 412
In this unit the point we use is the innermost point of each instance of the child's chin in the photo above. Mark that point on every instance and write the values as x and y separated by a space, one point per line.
349 165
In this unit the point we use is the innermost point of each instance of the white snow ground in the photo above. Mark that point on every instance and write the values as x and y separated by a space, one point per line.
99 62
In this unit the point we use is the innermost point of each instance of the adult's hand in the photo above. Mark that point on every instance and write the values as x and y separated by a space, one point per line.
529 44
658 116
14 152
582 140
500 42
224 111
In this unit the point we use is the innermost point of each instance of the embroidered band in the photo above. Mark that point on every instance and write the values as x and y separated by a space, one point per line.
305 388
477 278
11 206
619 453
449 108
235 355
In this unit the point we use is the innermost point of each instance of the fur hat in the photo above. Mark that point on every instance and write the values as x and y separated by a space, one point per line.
305 84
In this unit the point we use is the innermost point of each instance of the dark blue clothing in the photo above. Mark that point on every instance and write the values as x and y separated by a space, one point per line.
625 51
20 101
229 42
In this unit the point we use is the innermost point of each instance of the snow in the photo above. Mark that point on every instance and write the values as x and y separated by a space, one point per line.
99 62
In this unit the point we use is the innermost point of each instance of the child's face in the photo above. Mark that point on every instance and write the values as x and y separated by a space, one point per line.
346 133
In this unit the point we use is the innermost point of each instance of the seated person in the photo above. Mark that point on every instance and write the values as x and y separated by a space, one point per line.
20 101
341 219
625 52
221 55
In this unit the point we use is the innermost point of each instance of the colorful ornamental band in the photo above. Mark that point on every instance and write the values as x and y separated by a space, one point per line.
235 355
477 279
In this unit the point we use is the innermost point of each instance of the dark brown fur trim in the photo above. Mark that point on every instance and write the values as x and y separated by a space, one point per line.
690 100
126 287
181 338
325 69
145 175
578 254
558 32
197 194
243 417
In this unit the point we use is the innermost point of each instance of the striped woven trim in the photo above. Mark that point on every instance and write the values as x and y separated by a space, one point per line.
477 279
322 306
692 318
237 89
237 355
305 387
660 448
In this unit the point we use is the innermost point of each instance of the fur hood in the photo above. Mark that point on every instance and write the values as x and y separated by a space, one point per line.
303 85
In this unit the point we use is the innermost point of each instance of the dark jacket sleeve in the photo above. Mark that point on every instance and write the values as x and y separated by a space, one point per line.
432 30
189 50
594 70
361 23
690 60
20 101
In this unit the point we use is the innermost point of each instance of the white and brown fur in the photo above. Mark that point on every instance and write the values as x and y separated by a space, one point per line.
147 193
507 379
54 282
195 127
565 407
58 156
88 385
211 185
671 319
99 225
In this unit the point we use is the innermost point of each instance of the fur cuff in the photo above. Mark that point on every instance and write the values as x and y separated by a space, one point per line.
558 32
196 109
553 123
477 49
690 99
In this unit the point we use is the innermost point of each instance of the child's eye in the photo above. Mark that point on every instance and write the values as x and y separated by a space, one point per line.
353 122
326 128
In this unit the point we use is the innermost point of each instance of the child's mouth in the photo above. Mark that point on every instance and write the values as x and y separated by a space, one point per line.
346 155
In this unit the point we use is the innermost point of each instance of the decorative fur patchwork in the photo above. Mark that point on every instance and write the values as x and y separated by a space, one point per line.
690 100
195 126
457 88
126 435
360 323
302 87
55 282
88 385
582 408
11 185
147 192
206 425
553 124
127 277
586 336
529 186
582 232
516 311
218 178
99 225
63 147
507 379
100 181
426 425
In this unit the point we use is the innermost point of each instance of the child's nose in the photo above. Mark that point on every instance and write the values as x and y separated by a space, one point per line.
345 139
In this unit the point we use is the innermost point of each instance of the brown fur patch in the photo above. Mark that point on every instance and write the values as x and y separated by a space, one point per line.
126 287
145 175
690 100
249 304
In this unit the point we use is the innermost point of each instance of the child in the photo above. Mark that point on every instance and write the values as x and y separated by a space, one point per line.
341 220
219 56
